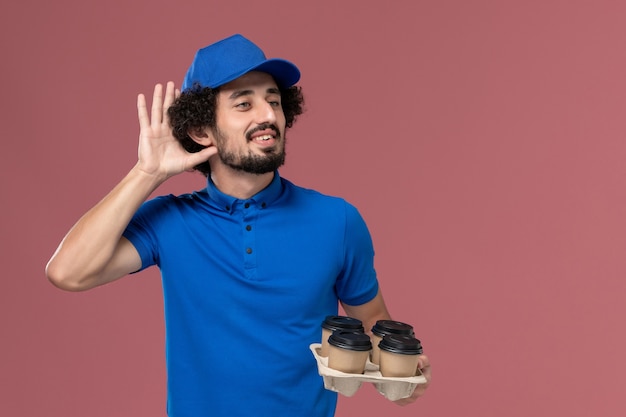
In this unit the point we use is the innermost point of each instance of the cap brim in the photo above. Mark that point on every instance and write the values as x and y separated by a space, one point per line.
284 72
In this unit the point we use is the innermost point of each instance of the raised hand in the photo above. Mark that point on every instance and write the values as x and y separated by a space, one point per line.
159 153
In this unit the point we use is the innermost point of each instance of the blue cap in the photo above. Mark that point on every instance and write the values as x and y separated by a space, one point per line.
230 58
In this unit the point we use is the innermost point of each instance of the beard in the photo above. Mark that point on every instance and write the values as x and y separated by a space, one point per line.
251 163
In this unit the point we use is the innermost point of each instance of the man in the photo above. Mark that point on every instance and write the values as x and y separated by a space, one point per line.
252 264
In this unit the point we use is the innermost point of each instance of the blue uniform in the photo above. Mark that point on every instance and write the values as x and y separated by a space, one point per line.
247 284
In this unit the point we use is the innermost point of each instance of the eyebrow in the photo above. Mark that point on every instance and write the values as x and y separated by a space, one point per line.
240 93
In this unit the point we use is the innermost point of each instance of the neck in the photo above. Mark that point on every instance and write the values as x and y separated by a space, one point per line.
239 184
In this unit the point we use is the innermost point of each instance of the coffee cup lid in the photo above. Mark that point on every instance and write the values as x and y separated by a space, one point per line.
333 323
350 340
383 327
399 343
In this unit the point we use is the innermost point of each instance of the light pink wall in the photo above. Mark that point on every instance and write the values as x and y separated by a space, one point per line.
483 142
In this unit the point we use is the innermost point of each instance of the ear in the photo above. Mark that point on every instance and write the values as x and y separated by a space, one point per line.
202 136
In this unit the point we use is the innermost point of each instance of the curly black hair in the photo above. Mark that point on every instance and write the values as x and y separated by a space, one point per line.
195 109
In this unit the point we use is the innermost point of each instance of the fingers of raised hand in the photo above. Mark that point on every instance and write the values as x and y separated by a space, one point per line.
160 104
142 111
171 94
157 106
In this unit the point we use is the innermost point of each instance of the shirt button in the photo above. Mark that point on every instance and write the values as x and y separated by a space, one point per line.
227 208
263 205
246 205
249 251
248 228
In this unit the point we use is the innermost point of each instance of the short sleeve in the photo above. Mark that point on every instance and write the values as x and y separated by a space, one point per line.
357 283
141 231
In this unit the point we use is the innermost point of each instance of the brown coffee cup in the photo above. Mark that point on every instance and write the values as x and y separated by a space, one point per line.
385 327
334 323
399 355
348 351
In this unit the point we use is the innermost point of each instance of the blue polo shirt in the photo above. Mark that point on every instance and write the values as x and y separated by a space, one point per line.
247 284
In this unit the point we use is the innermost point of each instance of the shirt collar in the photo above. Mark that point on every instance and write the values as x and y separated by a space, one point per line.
263 198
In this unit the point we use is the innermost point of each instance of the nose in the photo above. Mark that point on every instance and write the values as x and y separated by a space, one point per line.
265 113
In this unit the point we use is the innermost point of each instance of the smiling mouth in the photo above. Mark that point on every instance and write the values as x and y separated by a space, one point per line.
263 133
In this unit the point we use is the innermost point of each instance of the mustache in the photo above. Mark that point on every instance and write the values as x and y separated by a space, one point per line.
263 126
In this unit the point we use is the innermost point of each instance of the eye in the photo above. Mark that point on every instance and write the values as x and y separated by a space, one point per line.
274 103
243 105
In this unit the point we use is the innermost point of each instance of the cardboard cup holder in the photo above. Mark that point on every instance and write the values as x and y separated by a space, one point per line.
348 384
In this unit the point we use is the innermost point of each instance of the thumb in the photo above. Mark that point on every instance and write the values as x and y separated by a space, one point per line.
199 157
